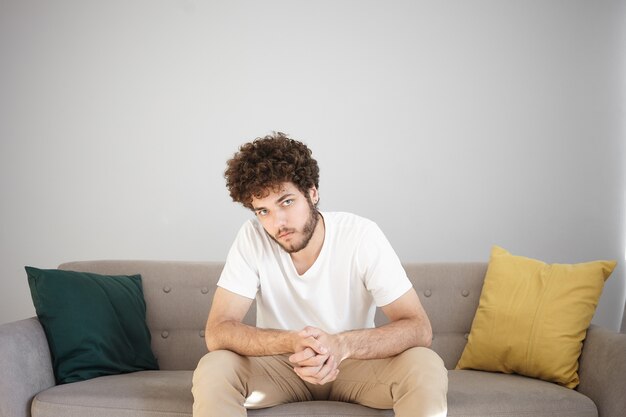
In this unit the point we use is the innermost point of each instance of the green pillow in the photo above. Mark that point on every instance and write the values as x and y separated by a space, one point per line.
95 324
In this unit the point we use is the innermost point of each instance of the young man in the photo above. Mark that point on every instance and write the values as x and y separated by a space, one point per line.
317 279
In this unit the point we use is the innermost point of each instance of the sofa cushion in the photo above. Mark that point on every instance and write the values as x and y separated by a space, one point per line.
143 393
490 394
168 394
532 317
95 324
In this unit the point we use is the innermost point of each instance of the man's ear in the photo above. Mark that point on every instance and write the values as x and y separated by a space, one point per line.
314 195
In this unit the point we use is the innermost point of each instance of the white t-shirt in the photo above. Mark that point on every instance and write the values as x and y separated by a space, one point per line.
356 270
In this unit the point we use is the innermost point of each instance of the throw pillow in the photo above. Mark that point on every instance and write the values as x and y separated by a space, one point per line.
95 324
532 317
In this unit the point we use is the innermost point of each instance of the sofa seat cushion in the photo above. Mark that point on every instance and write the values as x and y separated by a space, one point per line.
168 394
143 393
490 394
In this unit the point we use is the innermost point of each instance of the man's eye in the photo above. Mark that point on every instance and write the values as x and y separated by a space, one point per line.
261 212
288 202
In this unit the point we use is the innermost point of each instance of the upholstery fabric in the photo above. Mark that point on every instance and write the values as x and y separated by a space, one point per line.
161 394
178 296
449 292
167 394
532 317
95 324
143 393
489 394
608 349
25 358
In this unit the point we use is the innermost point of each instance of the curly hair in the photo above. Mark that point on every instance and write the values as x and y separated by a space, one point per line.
265 163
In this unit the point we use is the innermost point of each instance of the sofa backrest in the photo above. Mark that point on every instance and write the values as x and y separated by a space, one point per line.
178 296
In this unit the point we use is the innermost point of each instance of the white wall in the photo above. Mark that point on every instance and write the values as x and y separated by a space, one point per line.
455 125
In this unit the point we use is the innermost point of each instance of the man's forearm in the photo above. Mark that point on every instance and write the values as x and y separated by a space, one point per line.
385 341
247 340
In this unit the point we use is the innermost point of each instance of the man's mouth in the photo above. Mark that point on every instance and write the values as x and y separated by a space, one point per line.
284 234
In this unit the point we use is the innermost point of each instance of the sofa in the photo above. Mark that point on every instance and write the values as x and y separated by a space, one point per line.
178 297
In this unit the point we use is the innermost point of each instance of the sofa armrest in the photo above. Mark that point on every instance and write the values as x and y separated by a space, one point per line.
602 370
26 366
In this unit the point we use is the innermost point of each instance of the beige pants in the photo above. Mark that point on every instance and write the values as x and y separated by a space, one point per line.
414 384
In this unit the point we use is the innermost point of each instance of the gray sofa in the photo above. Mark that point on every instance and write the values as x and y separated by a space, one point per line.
178 296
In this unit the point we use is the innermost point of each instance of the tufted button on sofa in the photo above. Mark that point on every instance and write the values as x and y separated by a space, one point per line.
178 297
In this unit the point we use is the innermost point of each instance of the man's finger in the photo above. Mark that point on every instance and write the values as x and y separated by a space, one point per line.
314 370
330 377
306 372
313 361
312 343
303 355
309 379
328 368
312 331
316 345
319 374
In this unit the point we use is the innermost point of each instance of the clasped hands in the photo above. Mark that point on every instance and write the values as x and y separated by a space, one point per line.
317 356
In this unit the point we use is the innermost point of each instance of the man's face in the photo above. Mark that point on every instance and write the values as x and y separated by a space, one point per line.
288 216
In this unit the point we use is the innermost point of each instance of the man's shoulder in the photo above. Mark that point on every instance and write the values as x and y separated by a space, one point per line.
346 227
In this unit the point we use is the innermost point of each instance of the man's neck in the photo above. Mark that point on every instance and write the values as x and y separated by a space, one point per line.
305 258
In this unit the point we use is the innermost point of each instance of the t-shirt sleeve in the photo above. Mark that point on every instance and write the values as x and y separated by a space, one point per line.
384 276
240 274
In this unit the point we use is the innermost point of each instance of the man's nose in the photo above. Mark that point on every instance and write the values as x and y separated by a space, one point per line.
280 219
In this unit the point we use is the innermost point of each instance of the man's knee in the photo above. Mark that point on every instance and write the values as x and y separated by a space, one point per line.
217 386
219 365
421 355
422 363
422 384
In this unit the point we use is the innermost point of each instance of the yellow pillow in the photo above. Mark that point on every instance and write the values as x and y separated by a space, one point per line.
532 317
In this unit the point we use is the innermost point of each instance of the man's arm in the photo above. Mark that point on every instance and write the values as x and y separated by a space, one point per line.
224 330
409 327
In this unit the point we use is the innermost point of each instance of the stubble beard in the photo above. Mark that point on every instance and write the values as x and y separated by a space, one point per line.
307 231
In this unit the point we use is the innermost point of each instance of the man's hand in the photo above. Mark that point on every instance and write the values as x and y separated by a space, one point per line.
318 363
